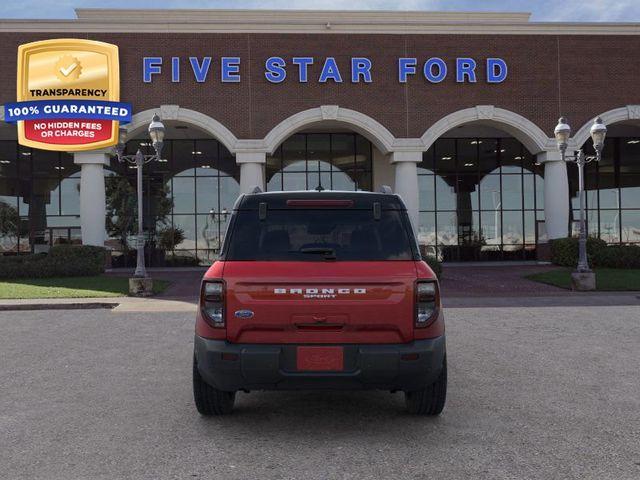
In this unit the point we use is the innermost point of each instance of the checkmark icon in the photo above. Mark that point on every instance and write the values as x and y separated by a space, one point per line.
66 71
68 68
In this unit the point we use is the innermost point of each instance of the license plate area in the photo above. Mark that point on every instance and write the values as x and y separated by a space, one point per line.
319 359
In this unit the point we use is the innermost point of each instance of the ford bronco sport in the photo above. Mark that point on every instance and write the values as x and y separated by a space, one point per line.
319 290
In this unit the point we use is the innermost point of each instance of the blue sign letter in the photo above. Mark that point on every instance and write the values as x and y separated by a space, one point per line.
360 66
496 70
230 70
428 70
303 64
151 66
330 71
465 67
406 66
175 69
275 69
200 71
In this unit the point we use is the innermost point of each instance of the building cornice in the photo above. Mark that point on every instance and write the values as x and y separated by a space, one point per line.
318 22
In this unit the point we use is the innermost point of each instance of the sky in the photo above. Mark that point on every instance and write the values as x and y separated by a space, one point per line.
542 10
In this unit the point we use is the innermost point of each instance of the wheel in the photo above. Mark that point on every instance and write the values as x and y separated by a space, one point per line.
431 400
209 400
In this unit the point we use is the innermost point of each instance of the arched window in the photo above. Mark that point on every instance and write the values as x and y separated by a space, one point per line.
331 161
480 198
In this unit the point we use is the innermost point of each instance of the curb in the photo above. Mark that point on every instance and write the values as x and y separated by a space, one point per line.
57 306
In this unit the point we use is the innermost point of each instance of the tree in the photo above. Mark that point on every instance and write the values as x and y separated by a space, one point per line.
9 221
122 208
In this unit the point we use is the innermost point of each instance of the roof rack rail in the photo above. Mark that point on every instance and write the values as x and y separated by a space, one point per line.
386 189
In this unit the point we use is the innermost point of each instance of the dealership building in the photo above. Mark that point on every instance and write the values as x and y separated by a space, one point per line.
454 111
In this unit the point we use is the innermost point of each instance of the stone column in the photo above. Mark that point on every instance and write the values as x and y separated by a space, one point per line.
251 170
406 181
92 195
556 194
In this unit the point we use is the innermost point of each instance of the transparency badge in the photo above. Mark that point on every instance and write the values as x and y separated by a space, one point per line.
68 95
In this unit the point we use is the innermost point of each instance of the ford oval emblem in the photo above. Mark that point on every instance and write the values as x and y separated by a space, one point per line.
244 314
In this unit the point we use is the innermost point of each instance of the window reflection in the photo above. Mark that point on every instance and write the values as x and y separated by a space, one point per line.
479 199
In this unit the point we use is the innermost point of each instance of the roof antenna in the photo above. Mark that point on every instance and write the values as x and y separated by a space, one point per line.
256 189
319 188
386 189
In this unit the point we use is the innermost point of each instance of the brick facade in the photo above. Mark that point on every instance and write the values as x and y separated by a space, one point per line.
575 75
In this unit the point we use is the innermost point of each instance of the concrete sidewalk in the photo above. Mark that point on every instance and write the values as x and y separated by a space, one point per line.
473 286
117 304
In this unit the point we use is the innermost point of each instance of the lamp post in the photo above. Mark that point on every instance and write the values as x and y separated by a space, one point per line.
583 277
156 133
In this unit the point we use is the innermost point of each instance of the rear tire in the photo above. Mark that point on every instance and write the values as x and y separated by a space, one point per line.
209 400
431 400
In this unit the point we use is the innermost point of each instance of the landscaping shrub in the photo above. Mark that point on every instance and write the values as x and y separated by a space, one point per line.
61 261
618 256
181 261
564 252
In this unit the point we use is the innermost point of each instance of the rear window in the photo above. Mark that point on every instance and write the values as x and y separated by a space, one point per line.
319 235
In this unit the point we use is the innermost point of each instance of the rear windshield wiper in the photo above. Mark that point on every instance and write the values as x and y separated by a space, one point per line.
329 253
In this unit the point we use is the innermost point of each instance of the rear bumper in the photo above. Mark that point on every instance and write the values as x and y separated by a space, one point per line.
273 367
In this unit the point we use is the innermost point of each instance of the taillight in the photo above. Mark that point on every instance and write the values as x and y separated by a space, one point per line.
212 302
427 302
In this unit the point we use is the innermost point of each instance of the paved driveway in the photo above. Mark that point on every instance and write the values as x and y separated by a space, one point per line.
543 393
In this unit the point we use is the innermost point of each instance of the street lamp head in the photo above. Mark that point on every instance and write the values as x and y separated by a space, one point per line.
598 133
562 133
156 133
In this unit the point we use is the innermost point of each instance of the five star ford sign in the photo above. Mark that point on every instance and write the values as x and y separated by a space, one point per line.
68 95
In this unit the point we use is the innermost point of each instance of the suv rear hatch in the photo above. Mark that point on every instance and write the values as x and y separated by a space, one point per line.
320 268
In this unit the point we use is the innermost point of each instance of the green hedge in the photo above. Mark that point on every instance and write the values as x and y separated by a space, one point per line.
61 261
618 256
564 252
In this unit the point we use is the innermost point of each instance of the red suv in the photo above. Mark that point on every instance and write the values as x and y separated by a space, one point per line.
319 290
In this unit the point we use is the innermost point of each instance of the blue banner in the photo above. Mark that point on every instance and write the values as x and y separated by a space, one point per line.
67 109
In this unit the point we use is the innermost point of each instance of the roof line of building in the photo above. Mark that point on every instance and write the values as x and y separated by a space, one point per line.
310 21
278 16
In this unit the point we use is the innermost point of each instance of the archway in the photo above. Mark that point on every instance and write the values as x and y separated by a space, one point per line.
328 116
171 114
612 186
189 193
521 128
328 147
481 187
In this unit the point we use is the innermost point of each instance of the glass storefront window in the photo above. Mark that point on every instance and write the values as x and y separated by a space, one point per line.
630 190
487 194
490 193
332 161
512 192
609 226
70 195
445 195
612 191
426 193
630 224
447 233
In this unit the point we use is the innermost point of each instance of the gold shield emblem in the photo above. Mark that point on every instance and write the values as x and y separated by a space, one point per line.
68 69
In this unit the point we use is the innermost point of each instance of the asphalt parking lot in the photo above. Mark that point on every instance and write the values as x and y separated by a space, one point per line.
545 392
